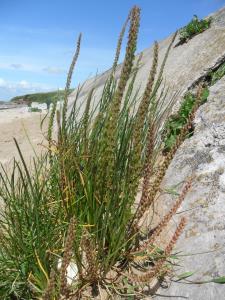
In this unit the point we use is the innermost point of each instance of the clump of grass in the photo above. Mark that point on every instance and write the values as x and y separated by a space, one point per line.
194 27
35 109
214 76
176 122
28 229
76 205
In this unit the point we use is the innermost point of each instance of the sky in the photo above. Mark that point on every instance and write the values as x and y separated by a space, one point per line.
38 37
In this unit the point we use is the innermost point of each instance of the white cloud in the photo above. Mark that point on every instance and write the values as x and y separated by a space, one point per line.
54 70
9 89
16 66
24 84
2 82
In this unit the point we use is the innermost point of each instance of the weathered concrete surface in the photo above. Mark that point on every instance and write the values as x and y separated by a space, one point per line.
203 155
185 65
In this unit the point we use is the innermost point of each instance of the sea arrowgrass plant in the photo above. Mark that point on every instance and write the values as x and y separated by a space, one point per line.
100 160
76 204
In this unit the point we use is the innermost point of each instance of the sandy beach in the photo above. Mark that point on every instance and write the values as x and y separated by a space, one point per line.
25 127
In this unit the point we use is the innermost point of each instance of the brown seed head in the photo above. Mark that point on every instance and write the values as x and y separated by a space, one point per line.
67 256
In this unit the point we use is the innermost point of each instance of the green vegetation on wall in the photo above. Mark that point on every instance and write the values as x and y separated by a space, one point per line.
214 76
193 28
179 120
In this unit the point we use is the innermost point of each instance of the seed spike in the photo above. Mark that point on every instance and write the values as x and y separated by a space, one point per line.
68 82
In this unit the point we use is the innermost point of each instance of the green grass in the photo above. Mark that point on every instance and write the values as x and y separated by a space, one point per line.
214 76
25 235
34 109
176 122
76 203
194 27
41 97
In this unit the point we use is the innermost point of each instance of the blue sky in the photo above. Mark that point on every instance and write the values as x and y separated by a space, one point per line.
38 36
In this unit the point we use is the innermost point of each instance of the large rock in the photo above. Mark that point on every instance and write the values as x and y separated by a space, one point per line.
203 241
